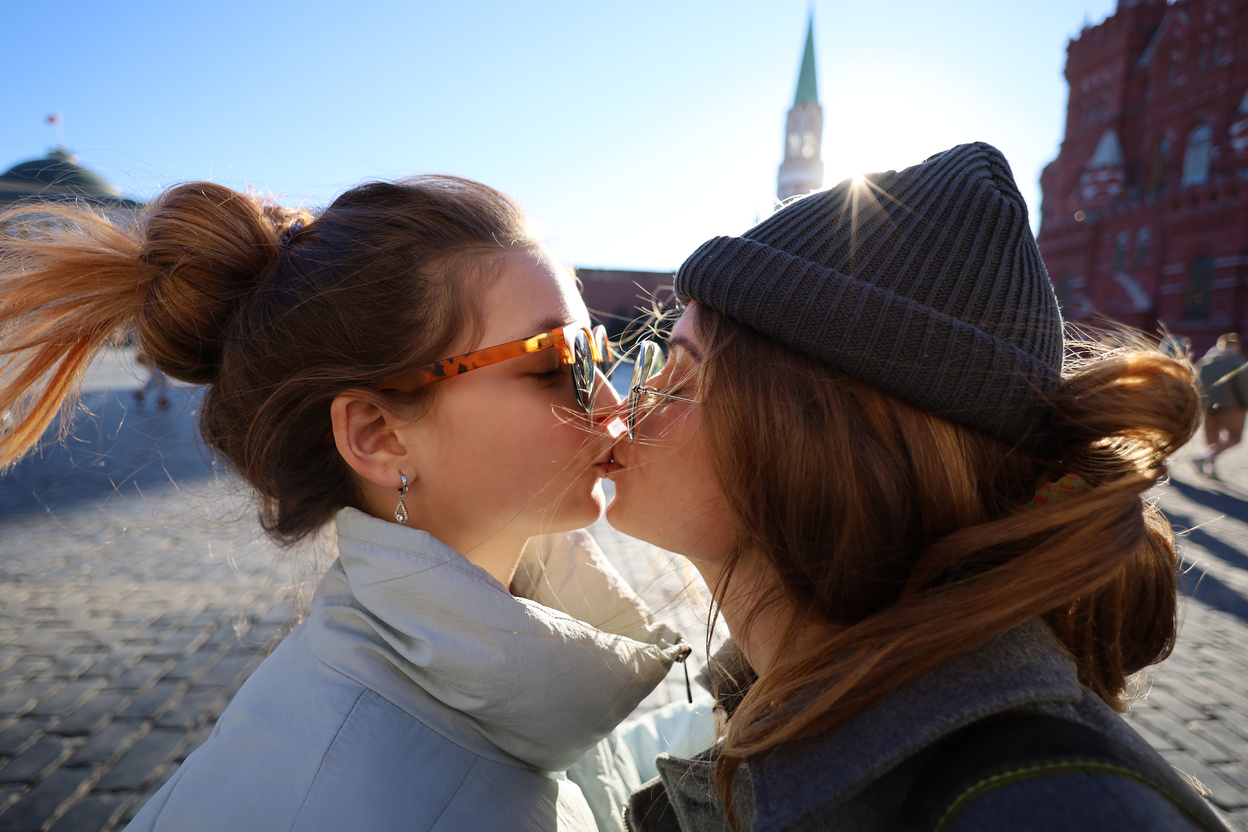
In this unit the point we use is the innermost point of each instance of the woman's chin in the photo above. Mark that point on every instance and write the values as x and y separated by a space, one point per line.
578 510
617 516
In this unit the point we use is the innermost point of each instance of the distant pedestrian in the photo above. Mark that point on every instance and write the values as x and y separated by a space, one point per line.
157 383
1224 382
1176 346
414 369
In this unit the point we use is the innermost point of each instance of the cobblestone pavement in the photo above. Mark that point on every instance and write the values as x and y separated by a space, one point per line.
136 593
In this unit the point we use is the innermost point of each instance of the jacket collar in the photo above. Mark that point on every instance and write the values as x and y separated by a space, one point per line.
1019 669
537 679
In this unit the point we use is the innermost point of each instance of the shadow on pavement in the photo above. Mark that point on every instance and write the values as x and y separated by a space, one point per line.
1226 500
1203 586
1211 592
117 446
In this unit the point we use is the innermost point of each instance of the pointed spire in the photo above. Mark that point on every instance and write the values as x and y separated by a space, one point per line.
807 88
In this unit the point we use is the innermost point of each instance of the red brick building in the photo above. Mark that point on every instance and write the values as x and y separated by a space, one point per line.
1145 214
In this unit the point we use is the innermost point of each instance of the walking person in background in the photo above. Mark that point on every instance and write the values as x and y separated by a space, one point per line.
923 524
413 367
157 383
1224 381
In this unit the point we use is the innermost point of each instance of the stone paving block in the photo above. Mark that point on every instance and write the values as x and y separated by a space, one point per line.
9 795
94 813
92 713
1236 772
9 655
231 669
1166 700
1155 738
37 806
160 628
33 763
1217 732
109 742
21 732
141 674
144 761
1195 692
59 646
194 709
155 701
33 639
179 643
23 698
75 663
1228 695
207 619
121 658
25 667
68 697
1223 792
196 663
137 615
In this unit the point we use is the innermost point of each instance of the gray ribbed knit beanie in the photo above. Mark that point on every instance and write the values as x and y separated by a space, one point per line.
925 282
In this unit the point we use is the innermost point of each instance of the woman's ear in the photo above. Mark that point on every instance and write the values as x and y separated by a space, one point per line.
367 437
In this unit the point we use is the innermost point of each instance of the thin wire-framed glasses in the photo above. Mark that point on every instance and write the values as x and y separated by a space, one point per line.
581 345
648 365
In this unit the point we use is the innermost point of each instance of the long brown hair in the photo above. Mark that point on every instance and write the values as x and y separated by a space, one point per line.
902 534
275 310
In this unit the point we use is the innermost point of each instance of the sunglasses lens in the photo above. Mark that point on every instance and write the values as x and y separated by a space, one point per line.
649 364
604 347
583 370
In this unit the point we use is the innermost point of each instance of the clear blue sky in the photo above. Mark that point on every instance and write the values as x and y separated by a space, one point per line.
632 131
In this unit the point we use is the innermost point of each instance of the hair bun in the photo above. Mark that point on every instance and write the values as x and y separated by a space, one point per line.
209 246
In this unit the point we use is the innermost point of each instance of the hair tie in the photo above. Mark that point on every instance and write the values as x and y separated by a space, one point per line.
290 232
1051 491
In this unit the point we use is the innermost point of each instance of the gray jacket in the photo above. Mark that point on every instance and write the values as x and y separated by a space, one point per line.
858 775
419 694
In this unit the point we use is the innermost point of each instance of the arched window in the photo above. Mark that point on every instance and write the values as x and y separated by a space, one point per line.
808 144
1198 156
795 145
1121 241
1199 290
1160 161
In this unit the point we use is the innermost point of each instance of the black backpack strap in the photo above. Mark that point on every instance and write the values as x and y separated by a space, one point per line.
1003 750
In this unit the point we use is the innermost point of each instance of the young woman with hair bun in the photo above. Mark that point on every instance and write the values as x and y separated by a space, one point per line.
412 366
923 520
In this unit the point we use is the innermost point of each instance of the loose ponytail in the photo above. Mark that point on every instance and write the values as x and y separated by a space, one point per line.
72 277
69 279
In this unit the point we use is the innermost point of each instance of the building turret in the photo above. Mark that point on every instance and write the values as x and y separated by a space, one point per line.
802 169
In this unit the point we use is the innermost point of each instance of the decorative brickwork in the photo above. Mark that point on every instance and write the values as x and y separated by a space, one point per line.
1145 214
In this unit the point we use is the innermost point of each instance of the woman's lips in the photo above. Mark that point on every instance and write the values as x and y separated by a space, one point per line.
608 466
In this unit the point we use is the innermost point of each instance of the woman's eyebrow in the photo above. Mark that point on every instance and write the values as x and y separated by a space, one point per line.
685 344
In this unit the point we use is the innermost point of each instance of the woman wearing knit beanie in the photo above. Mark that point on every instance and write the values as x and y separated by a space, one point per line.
920 517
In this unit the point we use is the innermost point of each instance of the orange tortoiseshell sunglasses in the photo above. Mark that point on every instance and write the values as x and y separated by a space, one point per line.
583 346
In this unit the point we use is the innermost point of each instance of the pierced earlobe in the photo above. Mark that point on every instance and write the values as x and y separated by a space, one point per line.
400 511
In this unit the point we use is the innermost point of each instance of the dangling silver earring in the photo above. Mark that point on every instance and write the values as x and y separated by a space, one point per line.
400 511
